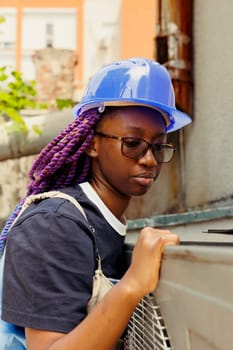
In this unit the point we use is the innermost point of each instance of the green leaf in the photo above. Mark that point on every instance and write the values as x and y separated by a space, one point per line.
16 75
14 115
43 106
37 130
63 103
3 76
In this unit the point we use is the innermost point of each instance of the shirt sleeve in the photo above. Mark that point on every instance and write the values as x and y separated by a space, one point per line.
48 274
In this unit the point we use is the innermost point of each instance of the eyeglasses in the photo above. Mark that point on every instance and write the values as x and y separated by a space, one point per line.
136 148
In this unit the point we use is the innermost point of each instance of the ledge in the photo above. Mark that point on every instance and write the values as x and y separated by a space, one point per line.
182 218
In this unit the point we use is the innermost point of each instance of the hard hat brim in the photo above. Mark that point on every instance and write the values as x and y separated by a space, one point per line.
174 118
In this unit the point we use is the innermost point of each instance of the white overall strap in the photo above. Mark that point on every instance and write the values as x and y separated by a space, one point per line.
45 195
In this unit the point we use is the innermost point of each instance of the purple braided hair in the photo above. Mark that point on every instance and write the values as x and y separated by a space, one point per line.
63 162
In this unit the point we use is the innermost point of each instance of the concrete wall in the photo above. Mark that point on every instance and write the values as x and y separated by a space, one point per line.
13 181
209 141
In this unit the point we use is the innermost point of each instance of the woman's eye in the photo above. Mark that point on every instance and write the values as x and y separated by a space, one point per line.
131 142
159 147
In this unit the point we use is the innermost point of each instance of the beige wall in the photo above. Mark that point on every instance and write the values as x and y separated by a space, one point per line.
209 141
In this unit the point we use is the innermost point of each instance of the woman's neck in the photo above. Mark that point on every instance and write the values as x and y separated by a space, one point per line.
116 202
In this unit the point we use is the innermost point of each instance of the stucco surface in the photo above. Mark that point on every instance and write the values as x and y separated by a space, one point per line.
13 182
209 141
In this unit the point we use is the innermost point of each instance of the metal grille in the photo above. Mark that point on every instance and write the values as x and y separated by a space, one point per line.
146 329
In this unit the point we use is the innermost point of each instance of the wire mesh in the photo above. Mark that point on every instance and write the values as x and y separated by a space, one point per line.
146 329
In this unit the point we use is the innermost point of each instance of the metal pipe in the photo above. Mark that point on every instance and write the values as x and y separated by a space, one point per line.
14 145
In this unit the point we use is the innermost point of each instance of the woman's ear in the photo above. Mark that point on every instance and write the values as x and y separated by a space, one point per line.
92 149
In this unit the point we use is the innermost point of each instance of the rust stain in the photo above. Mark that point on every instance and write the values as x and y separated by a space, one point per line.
188 255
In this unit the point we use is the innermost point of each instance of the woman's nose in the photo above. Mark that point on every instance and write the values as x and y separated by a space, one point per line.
148 159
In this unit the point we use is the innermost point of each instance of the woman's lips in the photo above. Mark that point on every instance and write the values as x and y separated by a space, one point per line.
144 180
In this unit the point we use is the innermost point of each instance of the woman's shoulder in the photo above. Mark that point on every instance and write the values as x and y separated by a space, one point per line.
51 217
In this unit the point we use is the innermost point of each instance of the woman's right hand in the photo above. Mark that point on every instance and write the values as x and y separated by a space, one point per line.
143 272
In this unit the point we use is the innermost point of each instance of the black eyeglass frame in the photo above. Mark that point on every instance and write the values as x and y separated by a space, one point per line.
151 146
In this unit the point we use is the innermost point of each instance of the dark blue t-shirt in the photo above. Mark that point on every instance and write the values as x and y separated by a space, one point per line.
50 262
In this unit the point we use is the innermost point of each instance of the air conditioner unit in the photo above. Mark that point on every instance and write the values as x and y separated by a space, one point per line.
192 308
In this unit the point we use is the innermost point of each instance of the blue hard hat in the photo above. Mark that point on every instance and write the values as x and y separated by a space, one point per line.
136 81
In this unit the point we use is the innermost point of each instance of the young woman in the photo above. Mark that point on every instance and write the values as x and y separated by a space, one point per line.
113 150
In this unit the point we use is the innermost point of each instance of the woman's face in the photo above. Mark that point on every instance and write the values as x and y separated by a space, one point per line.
112 169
